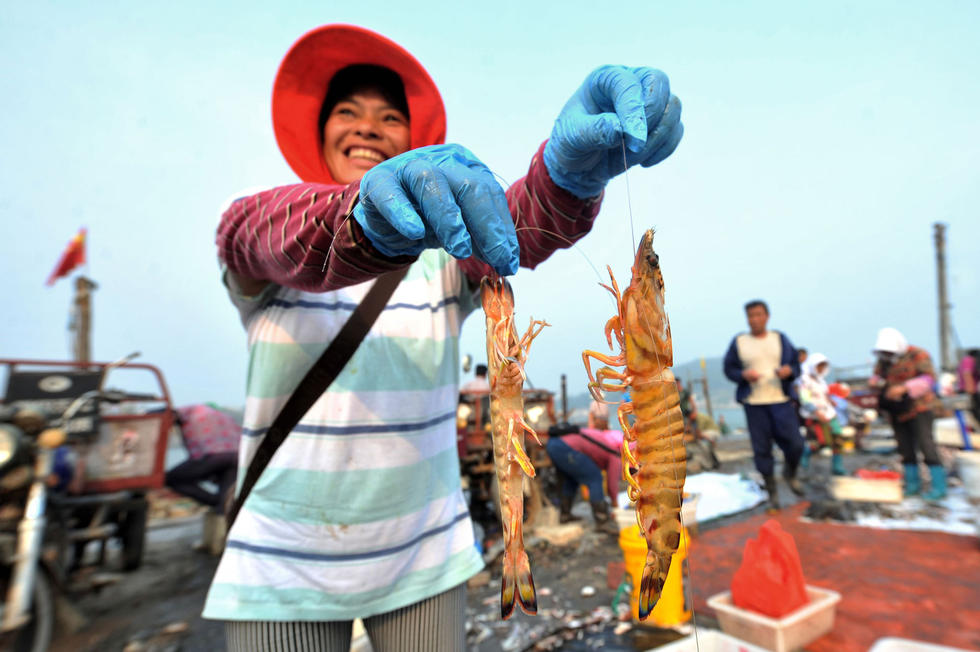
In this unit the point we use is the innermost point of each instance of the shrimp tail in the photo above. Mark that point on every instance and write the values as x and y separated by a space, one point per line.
652 582
525 584
508 592
517 585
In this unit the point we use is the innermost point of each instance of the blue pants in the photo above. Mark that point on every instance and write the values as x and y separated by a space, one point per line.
574 468
219 468
779 423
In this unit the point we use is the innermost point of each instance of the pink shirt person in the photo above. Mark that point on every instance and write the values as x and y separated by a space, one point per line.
603 447
207 431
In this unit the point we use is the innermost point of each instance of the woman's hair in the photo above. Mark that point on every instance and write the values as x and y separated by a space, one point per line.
361 77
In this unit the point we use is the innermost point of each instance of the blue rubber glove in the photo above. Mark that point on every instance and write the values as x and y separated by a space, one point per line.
615 105
438 196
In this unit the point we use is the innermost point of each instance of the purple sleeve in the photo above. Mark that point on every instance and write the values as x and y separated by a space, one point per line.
301 237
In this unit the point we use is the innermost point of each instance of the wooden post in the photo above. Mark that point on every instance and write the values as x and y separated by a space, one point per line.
707 395
81 322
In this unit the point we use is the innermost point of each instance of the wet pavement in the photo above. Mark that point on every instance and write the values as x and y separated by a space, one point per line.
923 585
168 588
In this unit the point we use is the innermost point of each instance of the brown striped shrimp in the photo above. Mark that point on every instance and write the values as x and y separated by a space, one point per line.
642 332
506 354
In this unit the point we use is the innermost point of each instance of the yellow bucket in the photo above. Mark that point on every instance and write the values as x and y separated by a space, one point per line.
671 609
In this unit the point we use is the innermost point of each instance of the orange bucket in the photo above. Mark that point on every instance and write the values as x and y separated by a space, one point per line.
671 609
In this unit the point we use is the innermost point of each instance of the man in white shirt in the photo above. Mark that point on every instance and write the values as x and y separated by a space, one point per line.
764 364
478 384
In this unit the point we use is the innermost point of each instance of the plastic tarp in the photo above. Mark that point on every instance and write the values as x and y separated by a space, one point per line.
953 514
719 494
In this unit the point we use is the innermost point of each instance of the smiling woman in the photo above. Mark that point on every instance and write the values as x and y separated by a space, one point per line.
364 121
360 513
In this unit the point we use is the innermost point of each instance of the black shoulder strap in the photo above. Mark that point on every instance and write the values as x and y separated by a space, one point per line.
597 443
318 379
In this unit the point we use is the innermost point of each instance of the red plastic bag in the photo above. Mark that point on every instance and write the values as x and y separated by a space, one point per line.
770 579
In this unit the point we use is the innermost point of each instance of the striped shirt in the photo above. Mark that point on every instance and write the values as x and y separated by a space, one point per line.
360 511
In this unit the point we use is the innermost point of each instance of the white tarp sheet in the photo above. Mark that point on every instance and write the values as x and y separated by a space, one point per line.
953 514
719 494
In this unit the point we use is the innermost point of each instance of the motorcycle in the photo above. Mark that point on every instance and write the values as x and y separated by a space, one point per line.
65 483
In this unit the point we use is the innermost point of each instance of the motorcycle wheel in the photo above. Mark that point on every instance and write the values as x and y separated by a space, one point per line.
133 535
36 635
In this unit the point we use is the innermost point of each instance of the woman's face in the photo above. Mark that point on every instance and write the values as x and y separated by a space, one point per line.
363 130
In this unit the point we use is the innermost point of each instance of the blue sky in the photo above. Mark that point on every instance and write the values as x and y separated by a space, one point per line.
822 141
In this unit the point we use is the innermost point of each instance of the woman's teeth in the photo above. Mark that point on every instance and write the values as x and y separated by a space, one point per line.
363 152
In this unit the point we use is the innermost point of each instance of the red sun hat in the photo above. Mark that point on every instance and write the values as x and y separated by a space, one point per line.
302 81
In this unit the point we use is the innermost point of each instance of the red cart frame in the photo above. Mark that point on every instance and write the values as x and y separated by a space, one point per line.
147 432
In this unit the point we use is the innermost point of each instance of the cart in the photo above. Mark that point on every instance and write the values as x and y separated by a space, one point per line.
119 441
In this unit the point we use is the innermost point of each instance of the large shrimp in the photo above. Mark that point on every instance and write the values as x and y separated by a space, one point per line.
642 331
506 353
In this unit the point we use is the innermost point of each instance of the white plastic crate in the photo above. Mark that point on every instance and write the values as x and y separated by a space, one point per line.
892 644
709 640
867 490
968 467
791 632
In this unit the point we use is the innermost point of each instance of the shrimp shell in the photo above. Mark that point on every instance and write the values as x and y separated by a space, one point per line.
506 354
642 332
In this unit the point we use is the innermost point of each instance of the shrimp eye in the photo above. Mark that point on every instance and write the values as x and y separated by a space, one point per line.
654 260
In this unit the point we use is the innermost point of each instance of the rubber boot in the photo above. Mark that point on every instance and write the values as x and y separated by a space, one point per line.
938 488
837 465
805 459
794 482
604 522
912 483
773 504
565 510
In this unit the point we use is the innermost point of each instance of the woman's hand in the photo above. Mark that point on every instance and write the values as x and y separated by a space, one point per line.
615 106
438 196
895 392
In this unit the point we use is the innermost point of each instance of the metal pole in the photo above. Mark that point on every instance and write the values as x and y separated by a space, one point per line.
564 400
940 237
30 535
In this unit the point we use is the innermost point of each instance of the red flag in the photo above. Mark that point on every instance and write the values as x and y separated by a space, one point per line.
73 256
